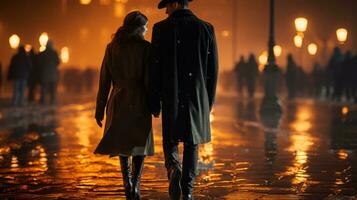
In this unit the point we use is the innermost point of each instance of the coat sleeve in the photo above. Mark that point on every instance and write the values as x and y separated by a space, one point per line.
212 68
104 85
155 82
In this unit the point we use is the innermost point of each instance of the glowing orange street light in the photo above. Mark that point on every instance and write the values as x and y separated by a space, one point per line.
298 40
263 60
43 39
42 48
14 41
312 49
345 110
342 35
278 50
301 24
28 48
65 54
85 2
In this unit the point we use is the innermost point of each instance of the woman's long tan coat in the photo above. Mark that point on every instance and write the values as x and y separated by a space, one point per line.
128 122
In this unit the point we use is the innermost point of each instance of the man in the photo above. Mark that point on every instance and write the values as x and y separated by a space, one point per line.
49 61
19 70
240 70
183 85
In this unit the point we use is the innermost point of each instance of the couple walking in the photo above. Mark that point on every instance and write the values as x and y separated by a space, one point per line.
175 75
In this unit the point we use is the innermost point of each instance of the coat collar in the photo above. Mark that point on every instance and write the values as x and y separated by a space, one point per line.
181 13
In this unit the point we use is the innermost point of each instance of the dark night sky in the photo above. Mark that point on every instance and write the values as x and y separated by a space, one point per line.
86 29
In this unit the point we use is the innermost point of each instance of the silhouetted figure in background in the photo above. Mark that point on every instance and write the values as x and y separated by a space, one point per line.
88 76
343 81
49 61
70 76
240 69
1 78
291 77
332 72
19 70
251 74
34 77
317 80
352 77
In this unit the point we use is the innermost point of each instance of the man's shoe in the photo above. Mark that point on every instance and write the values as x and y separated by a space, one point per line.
175 187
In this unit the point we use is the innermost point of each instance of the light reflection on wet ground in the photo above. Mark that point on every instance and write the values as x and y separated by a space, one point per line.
308 154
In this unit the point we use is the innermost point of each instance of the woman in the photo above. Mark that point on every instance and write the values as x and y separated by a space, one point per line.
128 130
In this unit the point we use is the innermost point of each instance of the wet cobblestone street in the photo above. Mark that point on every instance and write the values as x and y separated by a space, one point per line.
307 154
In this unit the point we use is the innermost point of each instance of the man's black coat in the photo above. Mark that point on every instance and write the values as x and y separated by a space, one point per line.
184 74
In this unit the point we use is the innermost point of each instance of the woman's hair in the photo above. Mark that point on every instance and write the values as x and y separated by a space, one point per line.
132 22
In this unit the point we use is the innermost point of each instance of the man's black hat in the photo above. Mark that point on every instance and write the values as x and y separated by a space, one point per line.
163 3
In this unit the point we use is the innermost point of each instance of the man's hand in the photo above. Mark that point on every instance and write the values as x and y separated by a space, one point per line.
99 122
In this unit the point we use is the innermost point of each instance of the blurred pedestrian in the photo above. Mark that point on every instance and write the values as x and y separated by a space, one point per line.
317 80
1 79
88 75
128 128
333 73
184 79
34 77
240 71
348 75
291 76
19 69
251 75
48 62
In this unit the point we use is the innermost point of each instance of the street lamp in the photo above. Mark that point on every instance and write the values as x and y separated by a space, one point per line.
85 2
65 54
312 49
14 41
298 41
342 35
270 104
28 48
301 24
42 48
43 39
278 50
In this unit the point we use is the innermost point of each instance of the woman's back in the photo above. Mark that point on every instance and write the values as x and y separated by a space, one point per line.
129 61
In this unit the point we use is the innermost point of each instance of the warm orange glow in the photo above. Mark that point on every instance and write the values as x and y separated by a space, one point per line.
104 2
298 40
278 50
342 154
345 110
263 60
65 54
85 2
342 35
43 39
42 48
119 9
28 47
14 41
225 33
301 24
312 49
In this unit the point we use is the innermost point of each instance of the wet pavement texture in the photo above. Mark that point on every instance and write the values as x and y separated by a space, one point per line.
309 153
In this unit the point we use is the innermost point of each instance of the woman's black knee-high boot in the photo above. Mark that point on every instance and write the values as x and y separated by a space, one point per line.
138 163
125 170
